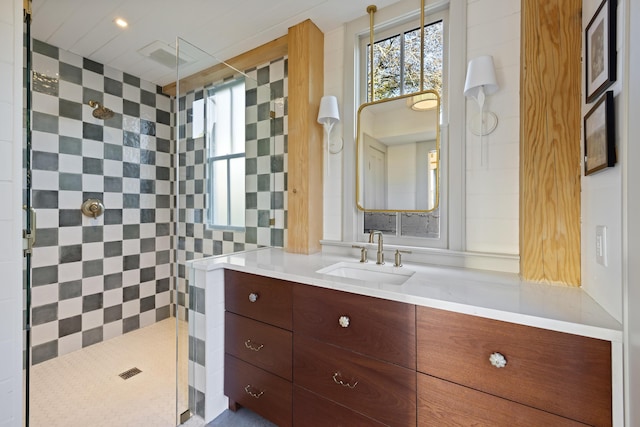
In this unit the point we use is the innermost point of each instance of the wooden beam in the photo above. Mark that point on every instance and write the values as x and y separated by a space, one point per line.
274 49
306 85
550 141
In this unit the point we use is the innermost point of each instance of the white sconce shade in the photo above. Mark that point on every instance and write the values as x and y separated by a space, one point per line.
481 77
328 115
481 81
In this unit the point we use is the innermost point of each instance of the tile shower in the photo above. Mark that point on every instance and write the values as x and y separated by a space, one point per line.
94 279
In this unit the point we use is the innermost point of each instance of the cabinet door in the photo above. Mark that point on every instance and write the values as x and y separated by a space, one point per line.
262 345
442 404
376 327
377 389
560 373
264 393
258 297
311 410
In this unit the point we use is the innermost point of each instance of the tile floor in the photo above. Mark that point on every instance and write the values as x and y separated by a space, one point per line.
83 388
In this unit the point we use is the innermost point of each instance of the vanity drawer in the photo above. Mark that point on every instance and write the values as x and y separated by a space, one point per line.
262 392
561 373
258 297
311 410
441 403
380 328
377 389
260 344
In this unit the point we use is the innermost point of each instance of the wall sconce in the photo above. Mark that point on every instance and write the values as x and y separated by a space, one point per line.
328 116
481 81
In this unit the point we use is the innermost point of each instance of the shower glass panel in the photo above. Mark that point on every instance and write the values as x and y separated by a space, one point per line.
231 187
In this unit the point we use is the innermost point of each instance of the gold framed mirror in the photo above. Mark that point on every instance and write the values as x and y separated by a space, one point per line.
397 154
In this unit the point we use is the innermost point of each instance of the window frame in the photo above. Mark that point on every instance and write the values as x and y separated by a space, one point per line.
394 28
227 158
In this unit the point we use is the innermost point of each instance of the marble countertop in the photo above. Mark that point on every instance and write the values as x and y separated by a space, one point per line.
494 295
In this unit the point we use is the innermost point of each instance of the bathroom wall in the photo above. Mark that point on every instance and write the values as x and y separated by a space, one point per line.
94 279
492 185
11 213
266 198
601 197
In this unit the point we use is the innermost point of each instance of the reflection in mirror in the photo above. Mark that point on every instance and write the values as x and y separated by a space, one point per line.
397 155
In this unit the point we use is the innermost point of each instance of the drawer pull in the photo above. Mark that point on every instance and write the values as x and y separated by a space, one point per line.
253 297
498 360
253 346
344 321
337 379
249 390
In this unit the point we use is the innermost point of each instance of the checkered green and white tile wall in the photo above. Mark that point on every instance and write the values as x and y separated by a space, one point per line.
94 279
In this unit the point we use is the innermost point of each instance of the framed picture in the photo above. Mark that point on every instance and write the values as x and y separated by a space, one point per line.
600 50
599 136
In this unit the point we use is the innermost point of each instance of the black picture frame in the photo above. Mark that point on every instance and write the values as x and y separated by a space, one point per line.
600 135
600 50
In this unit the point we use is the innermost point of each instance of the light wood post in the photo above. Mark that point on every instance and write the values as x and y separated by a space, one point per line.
550 141
306 85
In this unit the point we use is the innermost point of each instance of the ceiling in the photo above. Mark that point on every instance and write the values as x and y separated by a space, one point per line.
222 28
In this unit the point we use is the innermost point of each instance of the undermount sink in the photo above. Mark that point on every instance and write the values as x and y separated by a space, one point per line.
369 272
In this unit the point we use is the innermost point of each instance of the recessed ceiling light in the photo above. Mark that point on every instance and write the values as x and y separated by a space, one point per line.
121 23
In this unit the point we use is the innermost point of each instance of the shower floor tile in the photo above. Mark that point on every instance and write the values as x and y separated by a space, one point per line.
83 388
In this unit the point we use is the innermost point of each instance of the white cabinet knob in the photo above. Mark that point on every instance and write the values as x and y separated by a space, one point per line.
253 297
344 321
498 360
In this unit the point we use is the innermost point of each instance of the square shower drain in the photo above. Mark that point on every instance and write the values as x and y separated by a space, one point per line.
129 373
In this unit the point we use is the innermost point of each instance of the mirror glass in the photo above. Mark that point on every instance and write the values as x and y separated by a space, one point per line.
397 158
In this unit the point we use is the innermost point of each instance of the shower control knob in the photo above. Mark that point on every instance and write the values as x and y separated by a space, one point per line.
92 207
253 297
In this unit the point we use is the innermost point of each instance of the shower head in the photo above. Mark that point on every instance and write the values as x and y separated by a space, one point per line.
100 111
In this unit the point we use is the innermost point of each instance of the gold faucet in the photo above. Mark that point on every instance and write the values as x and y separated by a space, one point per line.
380 253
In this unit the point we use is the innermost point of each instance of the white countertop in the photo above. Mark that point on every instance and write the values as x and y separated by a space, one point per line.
500 296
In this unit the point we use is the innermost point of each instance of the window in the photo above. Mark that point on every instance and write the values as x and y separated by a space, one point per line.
225 127
396 62
396 72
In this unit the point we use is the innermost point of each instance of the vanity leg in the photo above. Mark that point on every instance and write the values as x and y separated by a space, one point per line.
234 406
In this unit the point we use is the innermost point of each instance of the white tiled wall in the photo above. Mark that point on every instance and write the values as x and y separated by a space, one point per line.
333 73
10 208
493 28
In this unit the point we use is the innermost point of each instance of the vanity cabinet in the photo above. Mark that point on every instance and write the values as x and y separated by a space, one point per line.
258 345
309 356
483 359
357 352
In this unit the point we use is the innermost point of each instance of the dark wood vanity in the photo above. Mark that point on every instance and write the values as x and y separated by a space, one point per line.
304 355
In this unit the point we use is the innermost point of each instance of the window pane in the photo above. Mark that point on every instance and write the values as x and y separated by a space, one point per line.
412 61
237 196
238 120
387 68
381 221
421 224
221 122
197 119
219 193
433 56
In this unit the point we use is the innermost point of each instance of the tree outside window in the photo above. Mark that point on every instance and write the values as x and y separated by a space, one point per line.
396 63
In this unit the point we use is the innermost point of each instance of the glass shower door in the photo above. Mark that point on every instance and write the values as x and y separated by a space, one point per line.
230 186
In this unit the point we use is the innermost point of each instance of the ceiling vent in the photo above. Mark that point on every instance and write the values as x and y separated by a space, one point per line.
164 54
